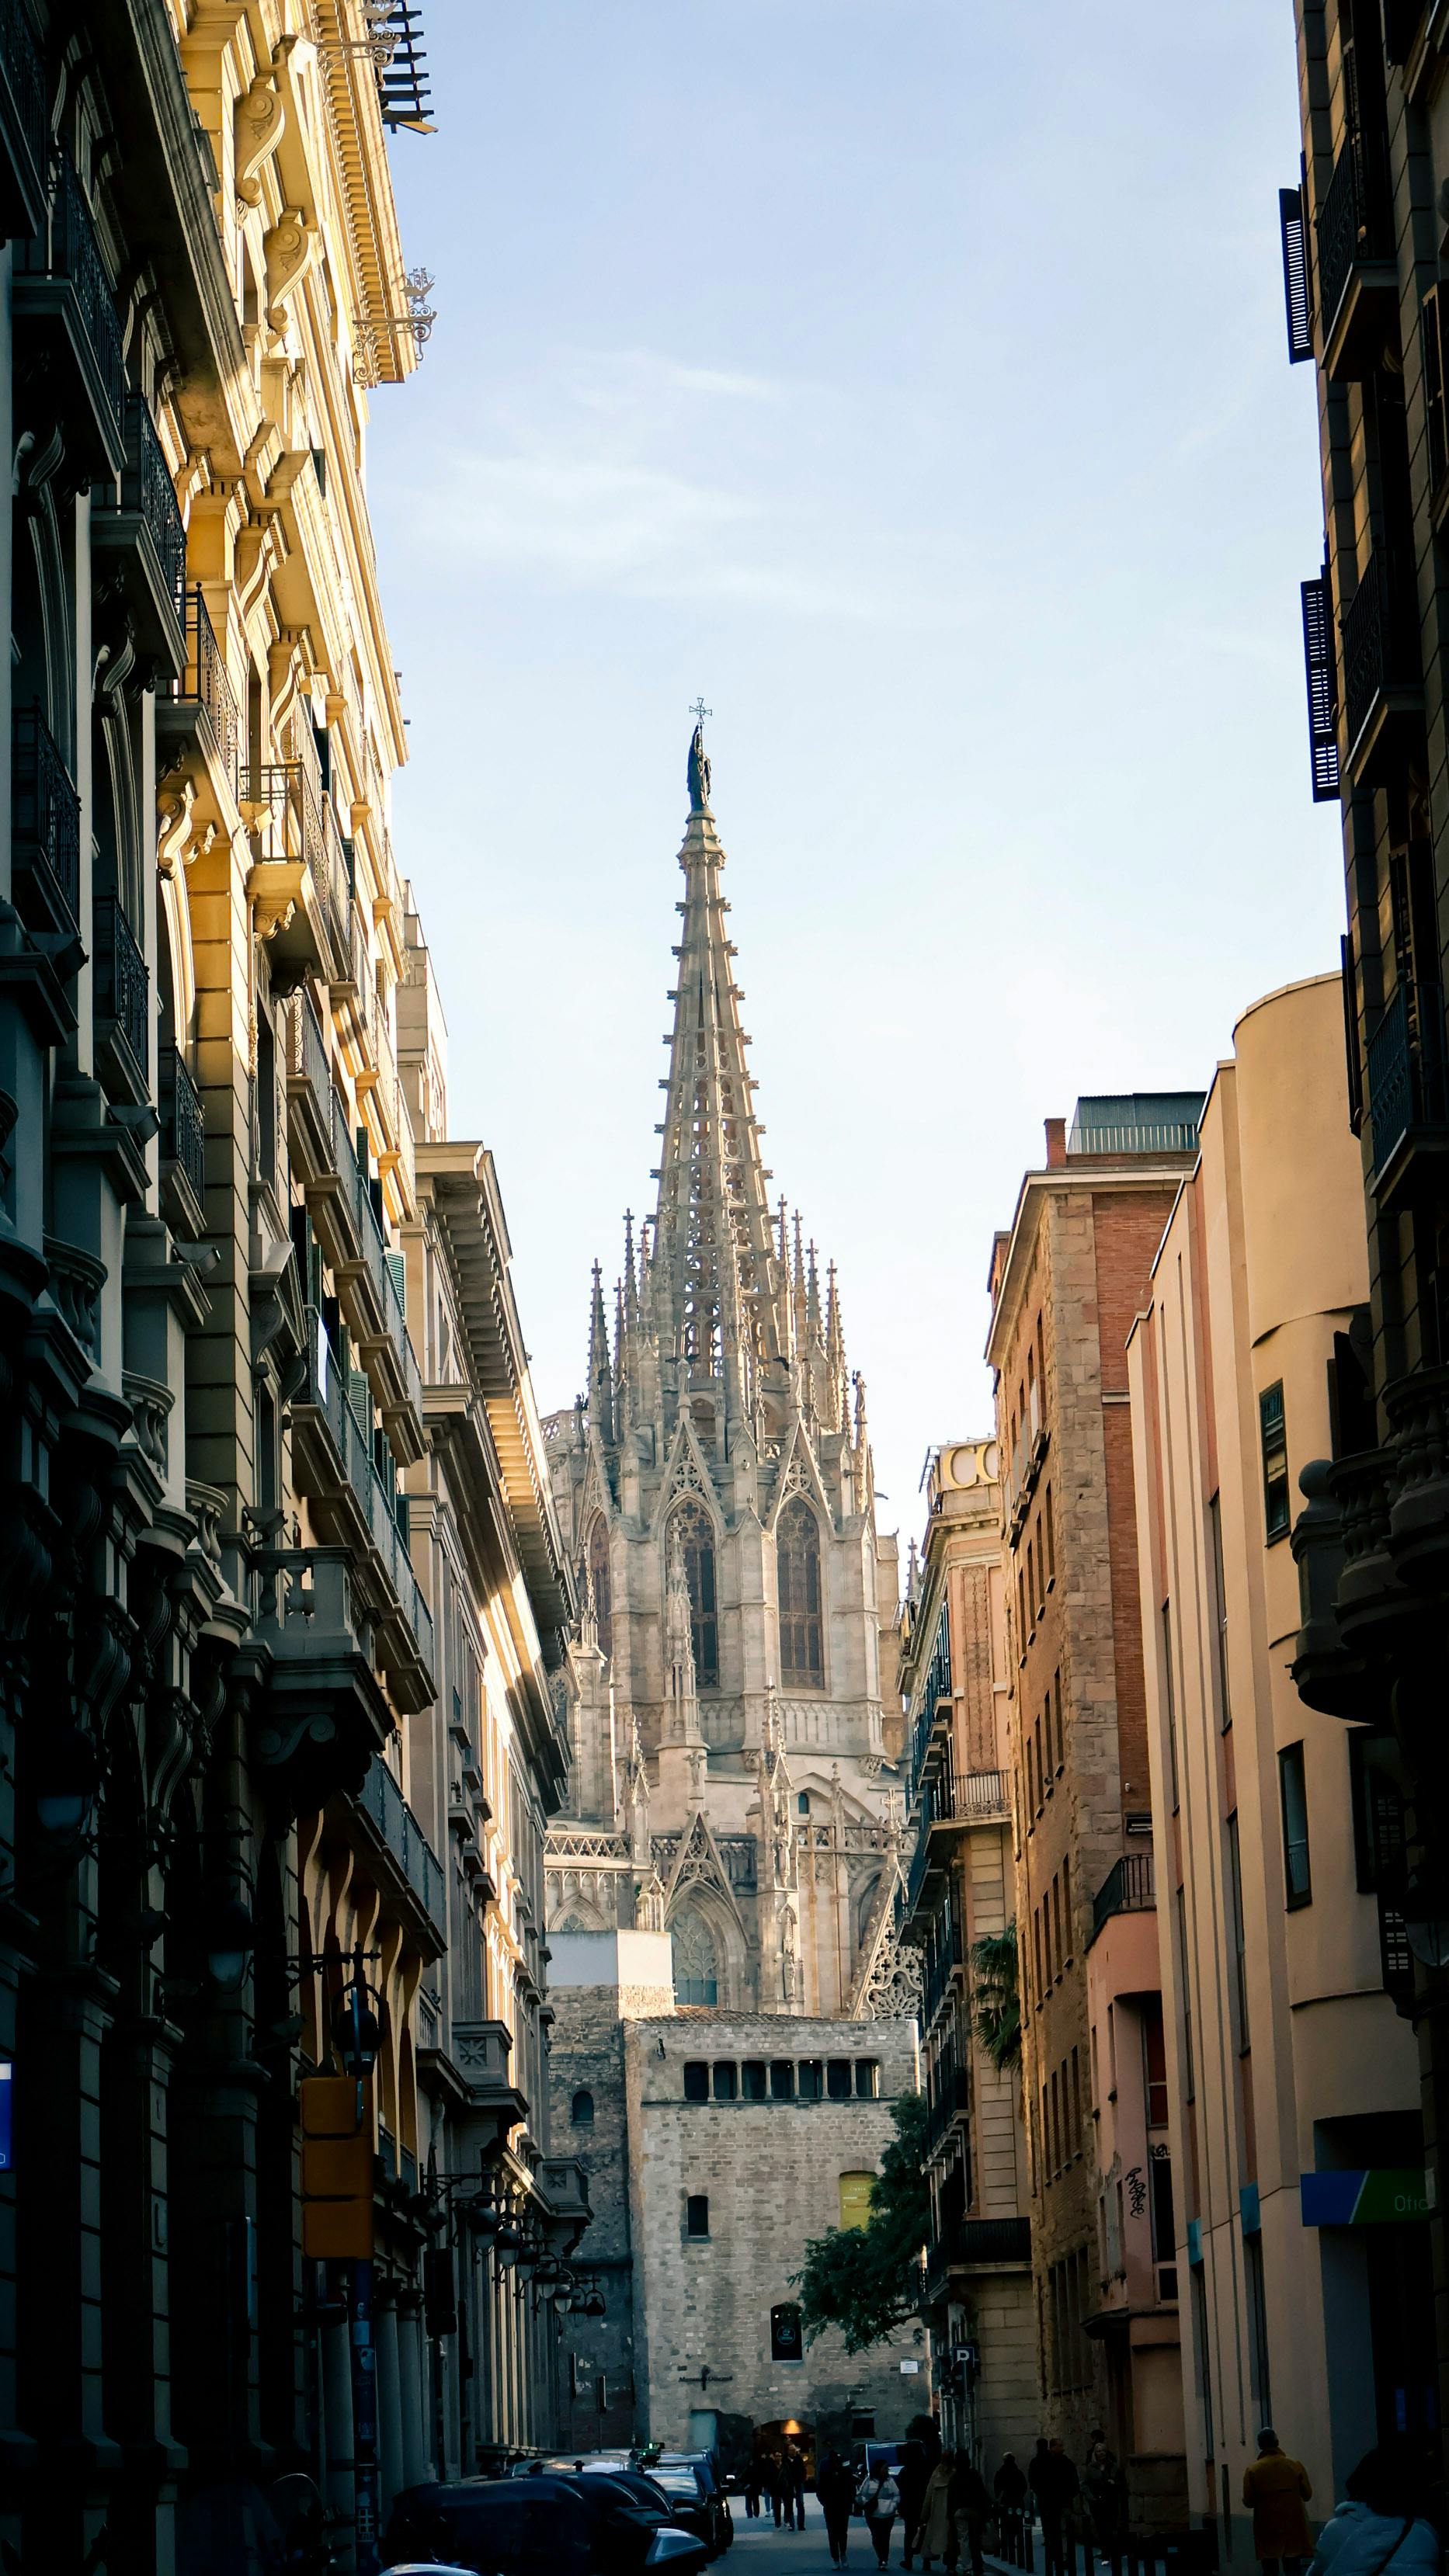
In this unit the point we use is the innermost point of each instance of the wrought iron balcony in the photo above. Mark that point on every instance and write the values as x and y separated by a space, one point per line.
1357 278
400 1834
335 1466
981 2240
202 706
63 295
1128 1888
45 828
323 1716
24 122
945 1958
183 1125
143 535
282 809
1382 678
1407 1086
122 1000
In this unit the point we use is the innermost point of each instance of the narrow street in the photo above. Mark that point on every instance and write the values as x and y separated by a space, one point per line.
761 2550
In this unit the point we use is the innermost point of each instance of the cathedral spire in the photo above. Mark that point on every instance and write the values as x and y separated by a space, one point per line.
713 1252
601 1373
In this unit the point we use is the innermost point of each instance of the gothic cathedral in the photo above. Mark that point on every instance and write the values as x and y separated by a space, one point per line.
733 1702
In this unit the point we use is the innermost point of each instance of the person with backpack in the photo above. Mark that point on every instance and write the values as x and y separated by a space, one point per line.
879 2499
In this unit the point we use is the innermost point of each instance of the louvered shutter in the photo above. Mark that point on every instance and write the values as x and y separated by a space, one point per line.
1321 666
1295 275
1431 343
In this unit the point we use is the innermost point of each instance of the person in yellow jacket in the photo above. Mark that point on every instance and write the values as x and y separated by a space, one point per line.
1276 2489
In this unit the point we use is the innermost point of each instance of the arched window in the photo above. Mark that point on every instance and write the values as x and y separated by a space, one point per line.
582 2111
602 1581
692 1526
797 1571
696 1961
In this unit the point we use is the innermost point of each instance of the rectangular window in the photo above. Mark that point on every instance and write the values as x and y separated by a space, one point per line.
726 2081
1293 1797
1378 1811
782 2080
1203 2357
1236 1935
1220 1613
1169 1700
1273 1434
867 2079
837 2079
1067 1910
752 2079
1061 1739
1189 2079
1154 2062
1076 2104
1040 1775
1051 1538
1160 2208
1036 1944
696 2080
1258 2369
1057 1952
812 2078
1046 2134
696 2214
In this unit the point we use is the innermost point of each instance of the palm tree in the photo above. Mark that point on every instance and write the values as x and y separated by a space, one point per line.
995 1997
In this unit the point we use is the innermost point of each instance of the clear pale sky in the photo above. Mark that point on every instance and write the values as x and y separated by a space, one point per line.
909 377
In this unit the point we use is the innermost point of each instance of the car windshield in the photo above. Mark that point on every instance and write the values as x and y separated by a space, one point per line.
676 2482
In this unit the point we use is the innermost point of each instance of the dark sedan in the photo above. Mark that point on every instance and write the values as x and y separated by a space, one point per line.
542 2525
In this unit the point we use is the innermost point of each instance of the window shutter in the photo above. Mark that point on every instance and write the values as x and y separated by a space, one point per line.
1432 345
1350 1035
1295 275
1321 665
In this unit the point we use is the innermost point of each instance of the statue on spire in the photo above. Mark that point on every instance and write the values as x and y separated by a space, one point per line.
698 767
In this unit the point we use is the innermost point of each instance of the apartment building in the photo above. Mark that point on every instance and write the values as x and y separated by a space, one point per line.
1290 2079
1066 1282
961 1891
232 1861
1363 240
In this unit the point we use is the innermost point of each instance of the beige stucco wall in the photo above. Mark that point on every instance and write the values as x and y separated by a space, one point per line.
1262 1262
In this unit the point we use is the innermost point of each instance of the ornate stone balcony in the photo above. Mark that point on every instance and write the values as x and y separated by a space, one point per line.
334 1467
321 1715
65 310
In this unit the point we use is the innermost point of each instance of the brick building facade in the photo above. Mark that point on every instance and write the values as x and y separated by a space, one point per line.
1066 1282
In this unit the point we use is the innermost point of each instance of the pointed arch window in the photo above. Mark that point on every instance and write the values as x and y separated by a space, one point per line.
692 1526
696 1960
797 1571
601 1577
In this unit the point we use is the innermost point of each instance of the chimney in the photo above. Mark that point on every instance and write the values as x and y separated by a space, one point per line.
1056 1143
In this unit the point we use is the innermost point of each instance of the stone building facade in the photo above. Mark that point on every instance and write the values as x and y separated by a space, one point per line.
1277 1829
716 2145
734 1708
960 1890
225 1764
1066 1283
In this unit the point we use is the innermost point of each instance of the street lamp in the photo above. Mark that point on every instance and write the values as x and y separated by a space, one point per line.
508 2243
230 1940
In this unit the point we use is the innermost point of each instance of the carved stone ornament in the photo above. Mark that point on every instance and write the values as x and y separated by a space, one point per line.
292 248
258 123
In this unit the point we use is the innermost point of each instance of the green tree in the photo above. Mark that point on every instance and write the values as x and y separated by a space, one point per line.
867 2280
996 1997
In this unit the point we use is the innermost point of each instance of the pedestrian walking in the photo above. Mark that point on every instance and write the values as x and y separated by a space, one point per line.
937 2532
1276 2488
1052 2478
752 2488
835 2486
773 2486
912 2471
1104 2491
795 2487
879 2499
1010 2491
969 2502
1380 2528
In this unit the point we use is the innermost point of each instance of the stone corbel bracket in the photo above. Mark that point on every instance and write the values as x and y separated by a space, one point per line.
259 121
292 249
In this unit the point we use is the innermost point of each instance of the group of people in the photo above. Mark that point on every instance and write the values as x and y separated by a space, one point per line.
778 2476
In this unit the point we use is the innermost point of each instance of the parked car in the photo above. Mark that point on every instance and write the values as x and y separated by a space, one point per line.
691 2482
547 2524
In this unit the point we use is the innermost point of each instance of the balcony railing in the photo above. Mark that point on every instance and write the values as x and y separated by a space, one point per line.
287 814
1407 1087
146 488
73 254
1380 653
384 1802
206 682
940 1967
1353 225
326 1389
982 2240
46 827
24 76
122 983
183 1126
1128 1888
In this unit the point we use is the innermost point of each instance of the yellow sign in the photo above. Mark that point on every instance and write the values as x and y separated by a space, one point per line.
855 2192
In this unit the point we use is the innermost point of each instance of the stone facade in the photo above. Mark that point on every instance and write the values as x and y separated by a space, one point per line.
703 2206
734 1706
1067 1282
961 1890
